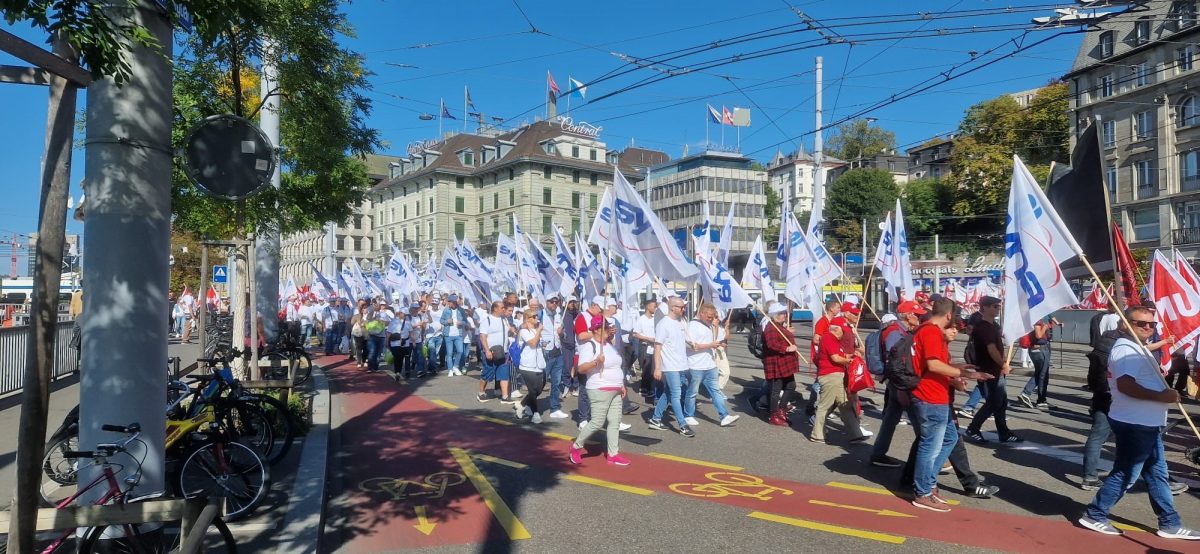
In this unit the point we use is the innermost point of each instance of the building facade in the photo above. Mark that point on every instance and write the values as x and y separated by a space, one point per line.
888 161
930 160
329 247
1137 77
547 174
677 190
70 253
792 177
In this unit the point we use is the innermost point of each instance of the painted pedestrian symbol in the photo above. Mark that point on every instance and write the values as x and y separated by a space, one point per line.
220 274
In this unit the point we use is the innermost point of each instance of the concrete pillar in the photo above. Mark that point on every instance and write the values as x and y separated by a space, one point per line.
127 235
266 270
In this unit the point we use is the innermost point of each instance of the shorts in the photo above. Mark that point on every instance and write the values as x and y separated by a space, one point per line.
494 372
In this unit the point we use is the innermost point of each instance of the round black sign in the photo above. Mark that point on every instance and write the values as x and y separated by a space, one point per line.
229 157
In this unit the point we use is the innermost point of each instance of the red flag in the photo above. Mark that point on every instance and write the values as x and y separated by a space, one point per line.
1177 302
553 85
1096 299
211 297
1187 272
1127 267
726 116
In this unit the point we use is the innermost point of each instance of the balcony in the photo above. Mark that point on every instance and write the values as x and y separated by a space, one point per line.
1185 235
1147 191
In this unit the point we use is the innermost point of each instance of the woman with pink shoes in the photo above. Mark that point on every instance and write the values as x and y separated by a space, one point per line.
601 361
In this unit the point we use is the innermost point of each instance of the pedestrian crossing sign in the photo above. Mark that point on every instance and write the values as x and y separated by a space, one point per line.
220 274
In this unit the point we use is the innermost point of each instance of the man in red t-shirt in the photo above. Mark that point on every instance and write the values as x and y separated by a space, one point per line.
931 403
832 361
819 328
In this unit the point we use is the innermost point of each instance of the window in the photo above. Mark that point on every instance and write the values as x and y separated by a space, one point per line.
480 204
358 243
1142 125
1109 132
574 225
1141 74
431 205
512 197
404 211
341 243
1189 170
460 182
547 225
547 196
1189 215
510 226
1183 58
575 199
510 174
430 182
495 225
595 179
1111 177
1141 31
1183 14
547 172
593 154
575 176
1188 111
1106 44
495 201
1106 86
574 151
418 208
592 200
460 230
1143 178
1145 224
467 157
430 229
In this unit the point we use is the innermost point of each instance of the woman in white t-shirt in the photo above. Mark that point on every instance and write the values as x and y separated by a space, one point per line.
532 364
601 361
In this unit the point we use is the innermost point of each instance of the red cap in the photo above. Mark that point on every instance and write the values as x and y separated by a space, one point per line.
840 322
851 308
910 307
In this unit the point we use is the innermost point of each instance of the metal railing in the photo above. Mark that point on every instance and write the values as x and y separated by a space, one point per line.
1186 235
14 347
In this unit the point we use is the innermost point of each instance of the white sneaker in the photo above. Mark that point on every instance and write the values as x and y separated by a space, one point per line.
537 418
624 427
691 421
865 432
515 394
729 419
559 414
583 424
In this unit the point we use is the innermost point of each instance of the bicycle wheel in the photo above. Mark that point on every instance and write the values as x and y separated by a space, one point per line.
120 539
59 474
229 469
303 366
217 538
281 421
250 424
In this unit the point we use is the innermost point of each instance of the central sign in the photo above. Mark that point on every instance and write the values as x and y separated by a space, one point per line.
416 148
582 128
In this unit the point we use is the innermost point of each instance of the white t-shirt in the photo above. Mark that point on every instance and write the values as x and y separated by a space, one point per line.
189 303
452 330
1110 322
434 329
494 328
608 376
386 316
550 325
533 358
644 326
306 315
700 333
1128 358
671 340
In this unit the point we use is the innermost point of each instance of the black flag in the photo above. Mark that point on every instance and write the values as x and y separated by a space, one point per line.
1080 197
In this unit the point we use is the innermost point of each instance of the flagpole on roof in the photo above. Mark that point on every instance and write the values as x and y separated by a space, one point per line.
464 108
441 112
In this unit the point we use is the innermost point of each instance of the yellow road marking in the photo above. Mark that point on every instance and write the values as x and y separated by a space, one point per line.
513 526
681 459
501 461
609 485
445 404
493 420
888 513
559 436
872 490
893 539
1127 527
423 524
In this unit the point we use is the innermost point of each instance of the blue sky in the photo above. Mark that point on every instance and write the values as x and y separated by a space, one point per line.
486 46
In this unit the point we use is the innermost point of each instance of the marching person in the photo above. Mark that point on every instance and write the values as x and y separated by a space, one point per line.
434 341
536 341
454 326
1039 354
781 362
358 333
895 402
584 324
1137 415
493 335
643 340
601 360
832 362
670 366
989 354
704 337
377 325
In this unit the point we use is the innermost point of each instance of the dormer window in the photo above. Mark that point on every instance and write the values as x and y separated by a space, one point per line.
466 157
574 151
1141 32
489 154
548 147
1183 14
504 147
1106 44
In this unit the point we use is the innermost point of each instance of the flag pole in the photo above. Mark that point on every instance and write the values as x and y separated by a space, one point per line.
441 111
464 108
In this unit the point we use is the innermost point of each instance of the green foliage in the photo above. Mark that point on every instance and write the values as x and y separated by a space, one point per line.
926 202
856 195
859 138
771 217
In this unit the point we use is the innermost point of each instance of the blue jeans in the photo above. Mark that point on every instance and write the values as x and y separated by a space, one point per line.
1139 450
974 398
375 346
674 382
179 323
416 361
935 440
435 352
1095 442
305 333
554 373
709 378
333 335
815 387
454 351
892 410
1041 373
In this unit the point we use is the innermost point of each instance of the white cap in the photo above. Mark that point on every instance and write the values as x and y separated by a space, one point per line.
598 300
887 318
777 308
612 302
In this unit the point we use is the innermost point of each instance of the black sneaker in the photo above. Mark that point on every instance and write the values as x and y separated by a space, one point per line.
1091 484
482 397
687 432
983 491
887 461
1012 438
508 400
657 425
976 436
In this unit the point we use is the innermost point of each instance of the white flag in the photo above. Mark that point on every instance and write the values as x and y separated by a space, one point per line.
719 286
506 262
552 280
634 278
401 275
702 234
591 275
565 260
289 290
756 275
801 265
726 243
528 272
884 258
451 273
1036 244
628 227
903 260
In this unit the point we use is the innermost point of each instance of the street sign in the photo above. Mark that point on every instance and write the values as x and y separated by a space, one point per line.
228 157
220 274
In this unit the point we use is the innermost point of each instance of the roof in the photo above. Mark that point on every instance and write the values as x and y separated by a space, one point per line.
1163 29
377 165
636 161
801 157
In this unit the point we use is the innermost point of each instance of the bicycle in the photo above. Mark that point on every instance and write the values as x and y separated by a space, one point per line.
128 537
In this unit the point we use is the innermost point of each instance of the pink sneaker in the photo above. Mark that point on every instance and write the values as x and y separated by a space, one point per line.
618 460
575 454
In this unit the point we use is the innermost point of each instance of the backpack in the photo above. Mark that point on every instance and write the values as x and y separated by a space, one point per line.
874 351
899 369
969 354
756 343
1104 346
514 351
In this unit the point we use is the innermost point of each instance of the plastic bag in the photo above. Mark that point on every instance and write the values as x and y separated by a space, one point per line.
344 346
858 378
387 357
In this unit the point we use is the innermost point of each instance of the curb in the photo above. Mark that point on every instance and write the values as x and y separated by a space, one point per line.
301 528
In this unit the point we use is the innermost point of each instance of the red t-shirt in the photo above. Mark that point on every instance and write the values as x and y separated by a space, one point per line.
819 329
929 344
584 321
830 345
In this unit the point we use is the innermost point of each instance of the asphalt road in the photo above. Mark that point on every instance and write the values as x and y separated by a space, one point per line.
423 465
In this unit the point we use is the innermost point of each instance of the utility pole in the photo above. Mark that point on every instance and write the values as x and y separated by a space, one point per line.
127 235
818 153
937 269
43 304
266 248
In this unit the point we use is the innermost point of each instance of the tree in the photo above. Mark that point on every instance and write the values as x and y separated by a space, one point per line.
859 138
925 203
771 217
856 195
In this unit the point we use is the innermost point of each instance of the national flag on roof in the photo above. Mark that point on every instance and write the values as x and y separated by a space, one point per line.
446 112
1036 244
467 95
726 116
553 85
577 88
713 114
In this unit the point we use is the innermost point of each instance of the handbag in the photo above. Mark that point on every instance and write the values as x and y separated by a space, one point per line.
356 330
722 367
858 378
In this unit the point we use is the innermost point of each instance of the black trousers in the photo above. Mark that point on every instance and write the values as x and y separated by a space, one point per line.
995 403
781 392
535 381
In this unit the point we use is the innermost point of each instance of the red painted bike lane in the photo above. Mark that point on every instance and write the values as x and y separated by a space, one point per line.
419 435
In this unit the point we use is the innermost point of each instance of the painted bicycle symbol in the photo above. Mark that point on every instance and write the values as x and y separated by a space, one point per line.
730 484
433 485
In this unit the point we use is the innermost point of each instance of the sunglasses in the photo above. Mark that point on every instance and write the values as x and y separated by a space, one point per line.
1142 324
